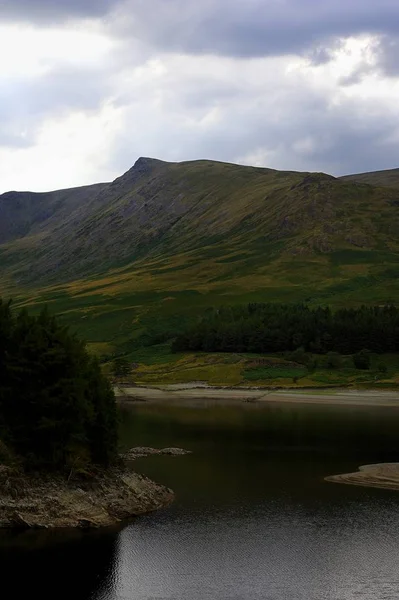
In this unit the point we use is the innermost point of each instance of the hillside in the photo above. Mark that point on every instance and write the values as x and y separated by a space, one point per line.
26 213
387 178
135 259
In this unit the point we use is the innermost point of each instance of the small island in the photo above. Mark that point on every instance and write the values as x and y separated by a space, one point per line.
59 461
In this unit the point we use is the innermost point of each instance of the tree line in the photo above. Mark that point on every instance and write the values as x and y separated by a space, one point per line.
57 410
260 328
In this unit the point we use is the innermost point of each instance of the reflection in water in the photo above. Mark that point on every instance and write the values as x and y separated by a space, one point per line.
276 425
254 518
57 565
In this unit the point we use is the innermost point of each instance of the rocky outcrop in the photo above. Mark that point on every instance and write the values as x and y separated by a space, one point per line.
98 500
142 451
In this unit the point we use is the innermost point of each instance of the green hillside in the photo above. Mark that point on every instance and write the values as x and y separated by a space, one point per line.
387 178
131 262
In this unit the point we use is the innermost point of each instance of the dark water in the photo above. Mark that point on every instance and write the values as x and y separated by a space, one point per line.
253 518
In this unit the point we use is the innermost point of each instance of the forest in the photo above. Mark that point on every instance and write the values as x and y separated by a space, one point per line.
261 328
57 410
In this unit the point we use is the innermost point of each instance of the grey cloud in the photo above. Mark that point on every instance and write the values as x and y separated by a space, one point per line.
53 10
290 123
25 104
296 130
236 28
251 28
388 55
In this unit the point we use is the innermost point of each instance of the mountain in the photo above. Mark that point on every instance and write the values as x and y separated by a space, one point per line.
166 240
387 178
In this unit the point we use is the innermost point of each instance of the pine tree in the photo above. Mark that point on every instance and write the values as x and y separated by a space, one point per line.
56 407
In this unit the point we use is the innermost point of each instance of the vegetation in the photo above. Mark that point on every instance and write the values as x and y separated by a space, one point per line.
386 178
362 361
121 367
57 410
196 235
158 365
296 327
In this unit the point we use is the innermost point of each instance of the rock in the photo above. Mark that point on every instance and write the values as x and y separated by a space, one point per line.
143 451
107 498
175 451
20 522
86 524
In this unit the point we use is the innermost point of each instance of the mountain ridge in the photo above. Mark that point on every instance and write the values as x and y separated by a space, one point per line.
133 251
384 178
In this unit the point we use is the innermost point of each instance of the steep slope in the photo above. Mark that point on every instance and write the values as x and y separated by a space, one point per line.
24 213
158 210
387 178
158 245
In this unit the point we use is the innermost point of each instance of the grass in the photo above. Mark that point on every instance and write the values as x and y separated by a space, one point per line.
158 366
238 234
273 374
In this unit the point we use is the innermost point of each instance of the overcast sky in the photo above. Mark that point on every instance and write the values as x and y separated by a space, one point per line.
88 86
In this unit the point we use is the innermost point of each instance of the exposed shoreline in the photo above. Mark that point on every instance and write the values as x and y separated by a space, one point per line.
383 475
192 394
106 499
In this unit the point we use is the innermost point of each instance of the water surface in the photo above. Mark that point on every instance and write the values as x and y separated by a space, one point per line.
253 518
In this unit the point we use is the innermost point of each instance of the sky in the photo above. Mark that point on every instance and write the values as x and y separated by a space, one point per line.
88 86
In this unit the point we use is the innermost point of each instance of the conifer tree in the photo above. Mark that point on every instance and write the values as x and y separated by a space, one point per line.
56 407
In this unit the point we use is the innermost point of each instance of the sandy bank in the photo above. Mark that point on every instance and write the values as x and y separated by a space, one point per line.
187 394
101 500
384 475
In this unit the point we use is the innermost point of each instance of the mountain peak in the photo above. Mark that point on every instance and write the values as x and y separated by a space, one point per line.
144 164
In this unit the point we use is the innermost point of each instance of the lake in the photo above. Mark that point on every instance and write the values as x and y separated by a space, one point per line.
253 517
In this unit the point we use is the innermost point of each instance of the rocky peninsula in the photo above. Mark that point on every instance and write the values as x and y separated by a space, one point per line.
99 500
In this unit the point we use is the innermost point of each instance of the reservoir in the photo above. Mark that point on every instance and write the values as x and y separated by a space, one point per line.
253 517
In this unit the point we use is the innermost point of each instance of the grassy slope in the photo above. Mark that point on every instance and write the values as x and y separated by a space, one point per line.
387 178
150 252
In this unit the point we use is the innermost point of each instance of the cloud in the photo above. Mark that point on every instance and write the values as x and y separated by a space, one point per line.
387 54
271 112
49 11
26 104
288 84
48 72
254 28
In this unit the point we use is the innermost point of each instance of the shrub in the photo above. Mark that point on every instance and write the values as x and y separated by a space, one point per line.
361 360
121 367
333 360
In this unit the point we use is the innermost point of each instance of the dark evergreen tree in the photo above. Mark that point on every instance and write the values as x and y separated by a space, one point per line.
56 408
286 327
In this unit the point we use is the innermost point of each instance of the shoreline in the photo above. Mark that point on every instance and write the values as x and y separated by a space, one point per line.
193 393
382 475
